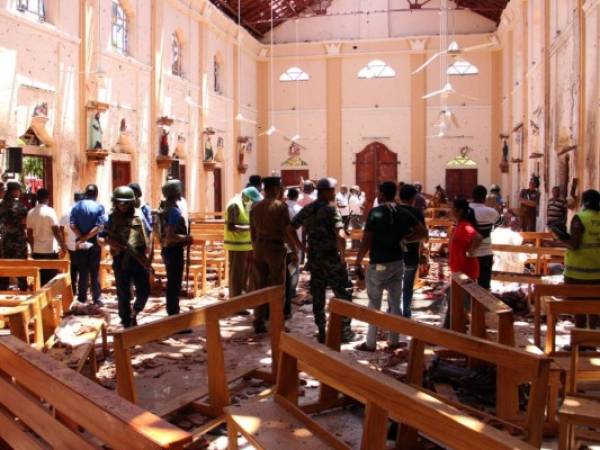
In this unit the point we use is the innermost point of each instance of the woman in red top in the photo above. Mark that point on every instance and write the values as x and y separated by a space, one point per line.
464 240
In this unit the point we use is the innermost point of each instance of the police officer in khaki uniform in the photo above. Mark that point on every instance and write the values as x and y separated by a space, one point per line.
127 234
269 220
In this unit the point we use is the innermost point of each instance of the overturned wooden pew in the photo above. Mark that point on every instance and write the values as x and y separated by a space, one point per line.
217 387
510 362
46 405
278 422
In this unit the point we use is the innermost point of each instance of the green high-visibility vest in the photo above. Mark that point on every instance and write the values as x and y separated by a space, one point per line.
238 240
584 263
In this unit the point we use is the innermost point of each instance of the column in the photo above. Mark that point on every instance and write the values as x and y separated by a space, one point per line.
334 111
418 115
262 82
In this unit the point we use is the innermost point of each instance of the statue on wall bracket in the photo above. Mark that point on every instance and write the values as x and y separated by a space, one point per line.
209 155
163 148
95 132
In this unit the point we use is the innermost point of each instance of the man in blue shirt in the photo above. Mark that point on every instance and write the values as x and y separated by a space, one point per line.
144 207
87 219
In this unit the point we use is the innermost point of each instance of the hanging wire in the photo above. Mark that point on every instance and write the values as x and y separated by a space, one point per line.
272 127
239 49
297 135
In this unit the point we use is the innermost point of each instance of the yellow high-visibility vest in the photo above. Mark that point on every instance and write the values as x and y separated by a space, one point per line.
584 263
238 240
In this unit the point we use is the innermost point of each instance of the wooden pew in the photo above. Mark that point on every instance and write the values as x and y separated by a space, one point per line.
278 422
203 217
437 224
75 413
438 213
570 291
217 387
578 409
540 255
15 270
482 301
61 265
510 362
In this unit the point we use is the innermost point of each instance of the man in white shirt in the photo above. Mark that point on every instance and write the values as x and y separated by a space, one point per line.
342 199
292 273
43 233
71 240
487 218
309 194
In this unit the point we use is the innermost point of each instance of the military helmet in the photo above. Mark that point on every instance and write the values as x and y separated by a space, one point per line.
172 188
123 194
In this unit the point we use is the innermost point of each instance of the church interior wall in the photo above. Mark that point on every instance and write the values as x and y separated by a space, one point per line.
551 87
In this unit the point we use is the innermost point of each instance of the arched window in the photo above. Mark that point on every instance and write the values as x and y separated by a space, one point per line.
294 74
119 28
177 51
376 69
34 8
218 74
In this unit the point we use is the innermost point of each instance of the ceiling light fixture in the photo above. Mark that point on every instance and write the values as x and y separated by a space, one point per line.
461 67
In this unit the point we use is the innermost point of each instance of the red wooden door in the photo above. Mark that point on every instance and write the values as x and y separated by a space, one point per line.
218 206
374 164
460 183
121 173
292 177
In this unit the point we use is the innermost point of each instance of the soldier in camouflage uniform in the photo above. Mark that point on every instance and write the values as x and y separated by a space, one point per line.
127 233
323 223
12 229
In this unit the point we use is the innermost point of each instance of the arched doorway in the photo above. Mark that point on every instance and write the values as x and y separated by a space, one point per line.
374 164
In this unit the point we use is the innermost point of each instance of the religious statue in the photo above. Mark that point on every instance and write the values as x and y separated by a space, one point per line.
241 154
164 142
96 132
219 154
208 149
504 162
40 110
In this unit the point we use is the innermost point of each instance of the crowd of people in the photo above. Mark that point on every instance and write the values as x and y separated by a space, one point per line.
269 231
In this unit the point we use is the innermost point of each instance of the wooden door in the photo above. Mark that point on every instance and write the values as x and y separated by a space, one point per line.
460 183
374 164
218 206
291 177
121 173
39 177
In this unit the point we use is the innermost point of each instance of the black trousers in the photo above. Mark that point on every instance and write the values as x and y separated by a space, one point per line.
173 259
485 271
46 274
87 263
130 272
74 272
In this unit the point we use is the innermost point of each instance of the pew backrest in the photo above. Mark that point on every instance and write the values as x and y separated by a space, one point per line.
71 403
384 397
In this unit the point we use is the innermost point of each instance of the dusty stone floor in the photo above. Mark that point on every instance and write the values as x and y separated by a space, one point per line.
166 369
